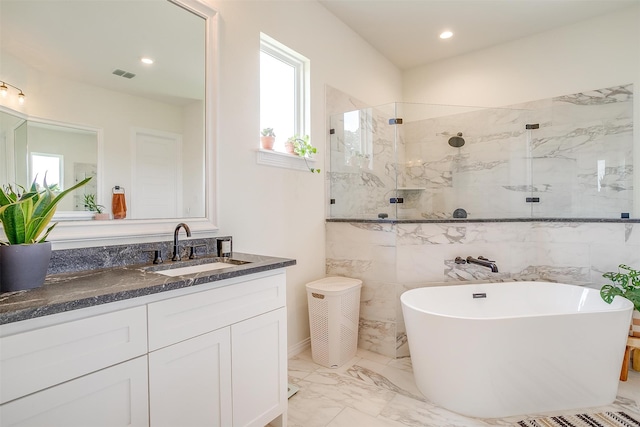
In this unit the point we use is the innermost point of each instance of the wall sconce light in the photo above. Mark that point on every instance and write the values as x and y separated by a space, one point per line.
4 89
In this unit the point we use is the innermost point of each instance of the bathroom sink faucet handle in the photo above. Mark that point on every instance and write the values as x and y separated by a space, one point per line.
157 255
460 260
193 250
485 259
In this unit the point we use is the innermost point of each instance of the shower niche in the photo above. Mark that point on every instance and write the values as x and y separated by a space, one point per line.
565 157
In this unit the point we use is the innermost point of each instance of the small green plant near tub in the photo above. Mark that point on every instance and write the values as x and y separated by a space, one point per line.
90 203
303 148
626 283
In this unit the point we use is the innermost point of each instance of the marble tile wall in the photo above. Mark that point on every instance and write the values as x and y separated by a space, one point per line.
578 162
391 258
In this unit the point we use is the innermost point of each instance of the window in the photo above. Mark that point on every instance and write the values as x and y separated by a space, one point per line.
50 164
283 90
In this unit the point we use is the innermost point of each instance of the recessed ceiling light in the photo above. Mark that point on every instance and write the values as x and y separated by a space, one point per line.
146 60
446 35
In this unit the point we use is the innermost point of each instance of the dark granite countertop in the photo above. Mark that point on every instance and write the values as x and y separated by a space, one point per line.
75 290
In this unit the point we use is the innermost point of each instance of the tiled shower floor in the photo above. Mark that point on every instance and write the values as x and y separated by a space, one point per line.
377 391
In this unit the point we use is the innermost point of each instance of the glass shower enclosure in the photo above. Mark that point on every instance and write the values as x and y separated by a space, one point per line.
547 159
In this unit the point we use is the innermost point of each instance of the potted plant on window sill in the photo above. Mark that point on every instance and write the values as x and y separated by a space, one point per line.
303 148
267 138
25 219
92 206
627 285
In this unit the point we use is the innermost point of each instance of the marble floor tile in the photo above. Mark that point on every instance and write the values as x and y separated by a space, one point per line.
376 391
352 418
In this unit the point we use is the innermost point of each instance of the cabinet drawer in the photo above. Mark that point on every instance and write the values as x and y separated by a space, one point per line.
114 397
34 360
181 318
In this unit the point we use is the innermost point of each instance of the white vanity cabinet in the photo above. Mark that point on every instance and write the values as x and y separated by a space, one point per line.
207 355
218 357
84 372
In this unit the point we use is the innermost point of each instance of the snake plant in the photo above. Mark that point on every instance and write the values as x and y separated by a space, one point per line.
25 217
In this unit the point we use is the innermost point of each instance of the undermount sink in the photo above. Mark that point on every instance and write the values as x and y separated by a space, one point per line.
175 269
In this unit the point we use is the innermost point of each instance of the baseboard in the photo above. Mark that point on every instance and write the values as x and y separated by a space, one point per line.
299 348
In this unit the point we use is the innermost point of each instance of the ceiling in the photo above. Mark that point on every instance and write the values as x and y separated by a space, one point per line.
406 31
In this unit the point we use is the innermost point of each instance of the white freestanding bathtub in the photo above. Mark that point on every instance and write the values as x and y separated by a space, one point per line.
500 349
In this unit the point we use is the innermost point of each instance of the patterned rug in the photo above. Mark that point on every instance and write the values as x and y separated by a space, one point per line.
603 419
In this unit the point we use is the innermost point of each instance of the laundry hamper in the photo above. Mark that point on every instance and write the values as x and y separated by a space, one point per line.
334 310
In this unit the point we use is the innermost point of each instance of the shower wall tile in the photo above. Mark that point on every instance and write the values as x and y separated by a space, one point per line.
336 101
632 234
393 258
373 233
420 263
577 232
377 301
601 254
377 336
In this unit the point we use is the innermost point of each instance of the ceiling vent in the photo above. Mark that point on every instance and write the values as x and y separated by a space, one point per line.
122 73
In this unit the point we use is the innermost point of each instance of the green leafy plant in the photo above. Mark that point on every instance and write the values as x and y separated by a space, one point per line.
626 284
303 148
90 203
25 217
268 132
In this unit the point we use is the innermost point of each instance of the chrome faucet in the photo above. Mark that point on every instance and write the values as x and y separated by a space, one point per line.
176 248
483 262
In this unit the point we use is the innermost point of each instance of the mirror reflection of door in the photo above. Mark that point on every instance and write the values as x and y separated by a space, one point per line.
157 175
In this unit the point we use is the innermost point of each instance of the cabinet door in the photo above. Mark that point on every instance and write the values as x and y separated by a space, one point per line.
190 382
259 348
116 396
34 360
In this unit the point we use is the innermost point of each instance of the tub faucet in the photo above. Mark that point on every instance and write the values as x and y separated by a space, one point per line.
483 262
176 248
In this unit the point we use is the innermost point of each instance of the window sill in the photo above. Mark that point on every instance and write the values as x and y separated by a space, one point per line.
284 160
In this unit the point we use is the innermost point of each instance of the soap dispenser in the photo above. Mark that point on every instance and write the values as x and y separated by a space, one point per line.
224 247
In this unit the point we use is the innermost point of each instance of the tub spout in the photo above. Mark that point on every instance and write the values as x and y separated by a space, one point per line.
483 262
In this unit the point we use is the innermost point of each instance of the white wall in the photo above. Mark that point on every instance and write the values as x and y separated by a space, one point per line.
593 54
270 210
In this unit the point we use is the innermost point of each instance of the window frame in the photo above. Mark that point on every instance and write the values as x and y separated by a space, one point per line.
301 66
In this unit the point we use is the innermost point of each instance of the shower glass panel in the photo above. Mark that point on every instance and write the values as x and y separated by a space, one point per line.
462 162
582 155
362 163
418 161
563 157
